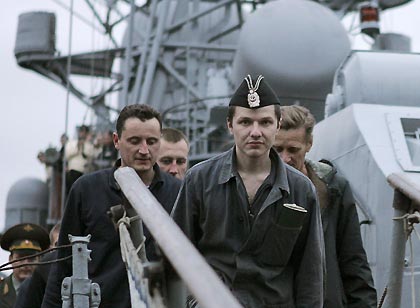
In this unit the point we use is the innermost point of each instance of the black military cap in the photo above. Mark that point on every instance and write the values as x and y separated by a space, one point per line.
25 237
254 94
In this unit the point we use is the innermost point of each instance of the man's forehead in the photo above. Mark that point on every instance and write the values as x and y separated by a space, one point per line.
135 126
291 135
171 147
263 112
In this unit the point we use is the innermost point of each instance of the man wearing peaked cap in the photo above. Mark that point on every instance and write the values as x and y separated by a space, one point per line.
255 219
21 240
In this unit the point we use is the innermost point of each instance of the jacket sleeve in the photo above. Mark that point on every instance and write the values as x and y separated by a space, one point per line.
354 267
71 224
309 279
186 210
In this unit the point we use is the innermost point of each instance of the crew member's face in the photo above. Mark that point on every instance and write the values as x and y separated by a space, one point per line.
292 145
139 144
173 157
254 130
23 272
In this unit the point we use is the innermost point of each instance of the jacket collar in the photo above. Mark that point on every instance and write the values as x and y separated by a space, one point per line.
322 170
157 178
228 171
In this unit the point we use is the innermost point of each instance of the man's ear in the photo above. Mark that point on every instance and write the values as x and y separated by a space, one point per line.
279 124
116 140
229 125
309 144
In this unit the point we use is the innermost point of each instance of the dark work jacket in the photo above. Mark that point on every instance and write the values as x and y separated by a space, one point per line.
7 292
90 198
349 278
31 291
275 259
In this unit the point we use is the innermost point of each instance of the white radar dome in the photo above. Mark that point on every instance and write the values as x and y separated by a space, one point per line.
296 44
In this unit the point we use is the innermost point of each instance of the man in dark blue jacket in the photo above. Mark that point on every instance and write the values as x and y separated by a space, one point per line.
137 138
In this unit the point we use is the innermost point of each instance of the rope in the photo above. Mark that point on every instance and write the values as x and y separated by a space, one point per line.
381 301
139 291
125 220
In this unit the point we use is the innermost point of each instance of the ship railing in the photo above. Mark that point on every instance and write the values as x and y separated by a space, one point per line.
202 282
406 206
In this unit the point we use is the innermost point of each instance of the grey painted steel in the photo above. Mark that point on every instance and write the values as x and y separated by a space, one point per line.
200 279
78 291
392 42
26 201
35 34
145 50
404 145
154 53
396 267
300 60
369 77
128 56
401 182
405 194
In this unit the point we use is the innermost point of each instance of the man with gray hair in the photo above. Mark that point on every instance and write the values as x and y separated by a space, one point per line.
349 279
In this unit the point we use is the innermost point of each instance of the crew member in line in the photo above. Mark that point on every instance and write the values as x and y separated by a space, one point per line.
21 240
173 153
137 137
32 290
255 219
349 279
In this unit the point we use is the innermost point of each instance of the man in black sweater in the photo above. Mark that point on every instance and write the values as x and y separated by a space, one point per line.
137 138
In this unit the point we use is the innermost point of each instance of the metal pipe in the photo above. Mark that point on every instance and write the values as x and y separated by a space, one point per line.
401 182
397 261
81 283
127 54
145 50
200 279
401 206
154 53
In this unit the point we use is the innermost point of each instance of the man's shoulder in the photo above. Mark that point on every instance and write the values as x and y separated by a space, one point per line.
210 164
294 175
6 286
96 175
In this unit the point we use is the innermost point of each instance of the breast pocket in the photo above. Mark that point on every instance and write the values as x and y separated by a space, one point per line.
278 245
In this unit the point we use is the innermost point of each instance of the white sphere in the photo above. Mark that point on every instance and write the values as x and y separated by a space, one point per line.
296 44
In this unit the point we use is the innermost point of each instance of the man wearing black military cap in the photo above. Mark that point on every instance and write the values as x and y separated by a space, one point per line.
21 240
255 219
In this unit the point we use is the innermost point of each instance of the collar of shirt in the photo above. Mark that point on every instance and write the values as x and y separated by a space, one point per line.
229 171
16 284
157 178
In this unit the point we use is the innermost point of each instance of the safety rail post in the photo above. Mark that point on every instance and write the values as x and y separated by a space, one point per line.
406 200
78 291
200 279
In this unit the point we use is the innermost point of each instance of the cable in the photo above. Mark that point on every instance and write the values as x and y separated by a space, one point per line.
3 266
35 263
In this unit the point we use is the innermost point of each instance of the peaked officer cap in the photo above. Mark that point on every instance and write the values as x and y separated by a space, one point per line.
25 237
255 93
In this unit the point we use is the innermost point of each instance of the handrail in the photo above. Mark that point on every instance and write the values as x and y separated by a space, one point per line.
190 265
401 182
406 199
